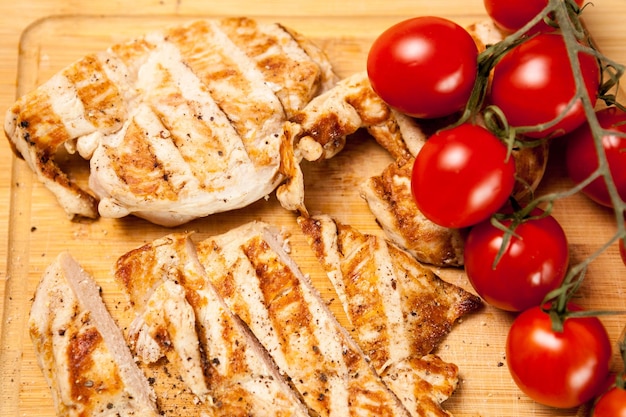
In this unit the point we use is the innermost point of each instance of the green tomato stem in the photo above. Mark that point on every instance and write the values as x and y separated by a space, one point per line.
565 13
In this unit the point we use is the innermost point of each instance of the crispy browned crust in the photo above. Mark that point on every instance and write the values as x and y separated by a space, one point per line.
430 305
264 287
400 310
229 379
351 105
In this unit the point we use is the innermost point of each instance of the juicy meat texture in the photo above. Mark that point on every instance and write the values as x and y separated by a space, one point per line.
80 349
181 316
263 286
400 310
177 124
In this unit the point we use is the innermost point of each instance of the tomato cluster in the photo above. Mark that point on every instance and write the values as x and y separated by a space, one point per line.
516 255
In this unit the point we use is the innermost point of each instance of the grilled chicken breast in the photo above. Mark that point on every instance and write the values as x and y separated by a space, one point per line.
178 124
400 310
181 317
80 349
263 286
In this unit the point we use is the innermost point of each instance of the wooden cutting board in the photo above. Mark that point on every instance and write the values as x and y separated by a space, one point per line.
39 230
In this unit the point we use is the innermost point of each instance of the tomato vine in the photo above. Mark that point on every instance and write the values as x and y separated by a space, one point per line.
577 41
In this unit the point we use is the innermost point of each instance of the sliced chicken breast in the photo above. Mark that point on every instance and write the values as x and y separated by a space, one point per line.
390 199
400 310
264 287
181 316
80 349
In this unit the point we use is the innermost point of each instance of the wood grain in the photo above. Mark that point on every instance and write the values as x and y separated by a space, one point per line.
38 230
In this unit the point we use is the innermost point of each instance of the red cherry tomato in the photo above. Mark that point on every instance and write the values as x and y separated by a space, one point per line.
533 84
582 159
534 263
512 15
563 369
425 67
611 404
461 176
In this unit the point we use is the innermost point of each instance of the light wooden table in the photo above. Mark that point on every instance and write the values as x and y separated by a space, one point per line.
605 21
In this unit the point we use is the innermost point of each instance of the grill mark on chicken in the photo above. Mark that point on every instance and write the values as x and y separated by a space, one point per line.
40 126
234 82
138 167
399 309
198 128
86 372
214 352
263 286
213 90
292 321
104 107
286 67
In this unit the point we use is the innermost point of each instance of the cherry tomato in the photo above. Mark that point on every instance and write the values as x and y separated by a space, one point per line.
582 159
512 15
461 176
563 369
534 263
425 66
533 84
611 404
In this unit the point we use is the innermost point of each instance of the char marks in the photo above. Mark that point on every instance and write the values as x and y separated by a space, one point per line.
263 286
180 316
178 124
399 309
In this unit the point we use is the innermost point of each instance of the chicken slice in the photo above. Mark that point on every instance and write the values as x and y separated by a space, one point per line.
80 349
264 287
181 316
400 310
167 327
